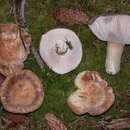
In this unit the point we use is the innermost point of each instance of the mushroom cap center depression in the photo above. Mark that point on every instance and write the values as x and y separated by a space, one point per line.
22 93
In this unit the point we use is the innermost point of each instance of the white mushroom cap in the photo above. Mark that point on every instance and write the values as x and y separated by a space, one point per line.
112 28
61 50
115 29
22 92
14 48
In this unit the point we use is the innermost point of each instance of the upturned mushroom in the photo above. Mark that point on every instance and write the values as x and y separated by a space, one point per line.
61 50
14 48
22 92
93 95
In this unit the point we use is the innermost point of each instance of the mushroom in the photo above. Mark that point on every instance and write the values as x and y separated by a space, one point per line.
61 50
93 95
22 92
115 30
14 48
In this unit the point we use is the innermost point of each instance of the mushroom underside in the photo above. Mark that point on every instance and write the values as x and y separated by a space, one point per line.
61 50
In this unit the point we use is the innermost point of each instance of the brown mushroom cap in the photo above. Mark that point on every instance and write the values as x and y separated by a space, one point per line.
13 51
94 96
76 103
86 76
22 92
9 69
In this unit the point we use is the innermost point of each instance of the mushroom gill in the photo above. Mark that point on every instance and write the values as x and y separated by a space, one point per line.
61 50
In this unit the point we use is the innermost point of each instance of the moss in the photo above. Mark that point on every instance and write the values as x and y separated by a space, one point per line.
58 87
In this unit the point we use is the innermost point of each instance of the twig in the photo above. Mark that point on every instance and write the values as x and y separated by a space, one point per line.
119 124
115 124
18 11
37 57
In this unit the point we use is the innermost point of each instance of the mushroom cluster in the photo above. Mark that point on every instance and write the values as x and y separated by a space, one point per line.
61 50
20 90
14 48
93 95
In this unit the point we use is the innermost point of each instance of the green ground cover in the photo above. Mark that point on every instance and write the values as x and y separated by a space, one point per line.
58 87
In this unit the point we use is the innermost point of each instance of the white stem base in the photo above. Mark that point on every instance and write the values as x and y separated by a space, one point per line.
113 58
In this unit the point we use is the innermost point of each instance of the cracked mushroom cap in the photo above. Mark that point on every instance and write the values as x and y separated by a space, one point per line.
22 92
14 47
94 96
61 50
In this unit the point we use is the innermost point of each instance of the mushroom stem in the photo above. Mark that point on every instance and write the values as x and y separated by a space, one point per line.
113 58
61 47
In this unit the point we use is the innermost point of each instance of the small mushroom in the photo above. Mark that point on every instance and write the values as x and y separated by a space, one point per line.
115 30
14 47
93 95
22 92
61 50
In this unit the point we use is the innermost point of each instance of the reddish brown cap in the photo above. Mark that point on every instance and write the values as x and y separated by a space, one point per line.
22 92
14 46
9 69
94 96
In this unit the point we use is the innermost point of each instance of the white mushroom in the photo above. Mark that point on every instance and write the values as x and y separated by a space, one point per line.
116 30
22 92
61 50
